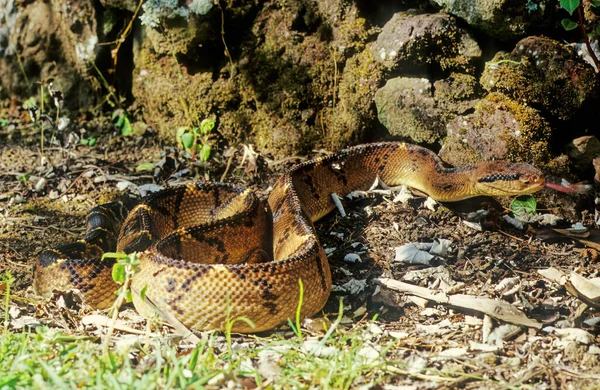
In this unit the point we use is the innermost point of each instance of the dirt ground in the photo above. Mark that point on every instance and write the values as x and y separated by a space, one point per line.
499 262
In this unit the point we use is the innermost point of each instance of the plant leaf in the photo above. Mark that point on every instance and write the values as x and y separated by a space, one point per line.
180 131
570 5
120 120
204 154
23 178
118 273
568 24
143 292
524 205
187 140
115 255
207 125
126 130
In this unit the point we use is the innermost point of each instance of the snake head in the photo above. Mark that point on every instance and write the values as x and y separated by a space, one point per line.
500 178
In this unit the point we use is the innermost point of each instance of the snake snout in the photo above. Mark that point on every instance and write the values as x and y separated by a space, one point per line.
531 182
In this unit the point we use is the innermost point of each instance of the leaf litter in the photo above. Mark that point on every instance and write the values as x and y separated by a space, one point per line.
465 311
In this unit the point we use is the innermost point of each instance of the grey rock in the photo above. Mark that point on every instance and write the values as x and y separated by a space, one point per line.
405 106
584 150
425 39
499 18
409 108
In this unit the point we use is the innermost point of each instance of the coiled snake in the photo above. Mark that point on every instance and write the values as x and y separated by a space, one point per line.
211 252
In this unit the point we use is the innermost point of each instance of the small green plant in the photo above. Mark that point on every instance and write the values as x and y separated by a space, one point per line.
90 141
295 326
524 205
4 122
568 24
122 122
122 273
197 141
229 323
37 115
24 178
7 280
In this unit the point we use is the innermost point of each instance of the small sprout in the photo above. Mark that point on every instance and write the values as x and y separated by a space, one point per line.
23 178
197 141
179 134
118 273
123 270
4 122
522 205
126 130
206 126
122 122
90 141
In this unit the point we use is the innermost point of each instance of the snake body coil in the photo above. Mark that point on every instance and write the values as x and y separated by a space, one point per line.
211 252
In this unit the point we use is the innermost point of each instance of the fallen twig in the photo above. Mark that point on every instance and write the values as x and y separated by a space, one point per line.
496 309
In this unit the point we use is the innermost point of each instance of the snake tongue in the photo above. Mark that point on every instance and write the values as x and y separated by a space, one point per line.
571 188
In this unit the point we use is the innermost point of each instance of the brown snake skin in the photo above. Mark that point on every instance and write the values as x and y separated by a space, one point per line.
209 252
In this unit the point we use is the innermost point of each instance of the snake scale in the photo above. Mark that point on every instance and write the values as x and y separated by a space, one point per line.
210 252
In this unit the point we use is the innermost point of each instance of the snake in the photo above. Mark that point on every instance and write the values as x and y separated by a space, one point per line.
211 254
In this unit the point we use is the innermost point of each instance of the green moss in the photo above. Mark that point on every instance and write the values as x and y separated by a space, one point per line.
354 112
531 144
291 91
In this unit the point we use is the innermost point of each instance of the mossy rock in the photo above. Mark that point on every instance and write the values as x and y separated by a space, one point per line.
500 129
544 74
300 81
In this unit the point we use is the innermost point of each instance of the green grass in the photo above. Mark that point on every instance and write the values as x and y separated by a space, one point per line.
48 358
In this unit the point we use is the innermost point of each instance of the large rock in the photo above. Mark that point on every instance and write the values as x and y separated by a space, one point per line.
544 74
499 18
409 108
41 41
499 129
583 150
405 106
425 39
